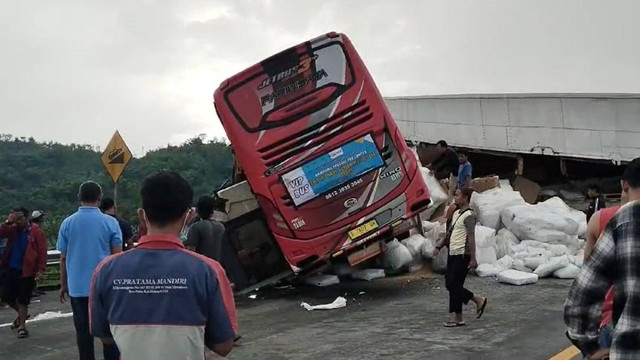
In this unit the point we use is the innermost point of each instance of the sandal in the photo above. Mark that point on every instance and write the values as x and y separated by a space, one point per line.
15 324
23 333
480 310
454 324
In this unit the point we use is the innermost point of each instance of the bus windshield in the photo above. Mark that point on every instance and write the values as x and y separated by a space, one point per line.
286 78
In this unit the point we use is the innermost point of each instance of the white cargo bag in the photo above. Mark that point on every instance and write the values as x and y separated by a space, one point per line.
515 277
486 270
548 268
535 262
396 256
414 244
568 272
519 265
427 249
505 263
440 261
438 195
488 205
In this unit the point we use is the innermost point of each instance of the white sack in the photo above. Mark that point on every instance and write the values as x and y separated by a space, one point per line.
427 249
440 261
505 263
339 302
506 185
509 236
438 195
519 265
578 259
414 244
568 272
427 226
396 256
485 245
504 245
535 262
486 270
488 205
437 232
368 274
548 268
322 280
551 221
515 277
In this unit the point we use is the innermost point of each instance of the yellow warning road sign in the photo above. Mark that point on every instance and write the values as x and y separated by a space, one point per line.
116 156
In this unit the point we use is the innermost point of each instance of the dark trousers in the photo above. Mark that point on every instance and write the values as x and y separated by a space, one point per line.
84 339
457 268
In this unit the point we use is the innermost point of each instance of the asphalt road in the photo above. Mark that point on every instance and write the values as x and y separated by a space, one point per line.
394 318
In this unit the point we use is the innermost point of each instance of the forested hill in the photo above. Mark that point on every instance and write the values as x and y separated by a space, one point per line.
46 176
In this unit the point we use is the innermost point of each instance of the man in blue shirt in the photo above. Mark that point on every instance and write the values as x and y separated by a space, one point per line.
160 301
464 171
86 238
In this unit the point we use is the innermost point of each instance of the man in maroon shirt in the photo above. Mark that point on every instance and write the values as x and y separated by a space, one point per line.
23 261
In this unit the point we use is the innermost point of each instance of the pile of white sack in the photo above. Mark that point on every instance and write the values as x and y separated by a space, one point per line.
531 241
515 241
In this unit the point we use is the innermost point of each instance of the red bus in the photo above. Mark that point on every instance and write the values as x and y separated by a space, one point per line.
321 152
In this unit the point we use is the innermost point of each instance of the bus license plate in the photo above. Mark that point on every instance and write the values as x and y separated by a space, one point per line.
363 229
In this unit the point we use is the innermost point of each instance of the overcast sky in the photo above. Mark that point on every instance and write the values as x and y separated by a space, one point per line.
75 71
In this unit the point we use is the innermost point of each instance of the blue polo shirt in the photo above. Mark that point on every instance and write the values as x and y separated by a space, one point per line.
160 301
86 237
464 171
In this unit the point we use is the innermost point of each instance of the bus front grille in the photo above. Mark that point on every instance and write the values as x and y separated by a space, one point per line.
317 134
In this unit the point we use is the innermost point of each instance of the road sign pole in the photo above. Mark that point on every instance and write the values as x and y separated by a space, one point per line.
115 193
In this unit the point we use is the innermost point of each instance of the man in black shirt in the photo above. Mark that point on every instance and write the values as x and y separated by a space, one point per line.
597 200
207 235
448 162
108 206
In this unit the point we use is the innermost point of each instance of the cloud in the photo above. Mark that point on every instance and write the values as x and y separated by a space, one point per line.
75 71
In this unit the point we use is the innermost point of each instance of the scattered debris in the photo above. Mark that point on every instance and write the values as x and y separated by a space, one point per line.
338 303
323 280
369 274
253 297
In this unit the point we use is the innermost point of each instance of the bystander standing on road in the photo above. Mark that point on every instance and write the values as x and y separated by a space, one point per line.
206 236
108 206
445 167
37 217
460 240
193 304
613 262
465 171
86 238
23 262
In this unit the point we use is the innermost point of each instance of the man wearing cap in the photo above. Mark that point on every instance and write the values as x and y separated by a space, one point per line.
37 216
23 261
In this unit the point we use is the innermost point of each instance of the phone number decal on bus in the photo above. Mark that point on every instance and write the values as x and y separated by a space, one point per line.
332 172
344 188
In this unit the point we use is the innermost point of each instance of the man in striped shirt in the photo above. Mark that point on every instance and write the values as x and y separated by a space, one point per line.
159 300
